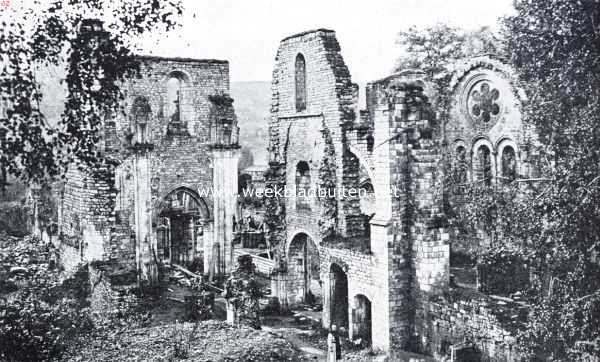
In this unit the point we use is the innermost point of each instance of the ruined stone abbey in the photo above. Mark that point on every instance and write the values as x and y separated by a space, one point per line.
383 266
377 260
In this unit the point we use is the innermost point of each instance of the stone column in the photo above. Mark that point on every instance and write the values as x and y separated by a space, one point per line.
328 299
145 243
225 187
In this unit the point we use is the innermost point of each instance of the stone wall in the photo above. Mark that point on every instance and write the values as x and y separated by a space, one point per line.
330 103
408 162
160 144
86 215
482 325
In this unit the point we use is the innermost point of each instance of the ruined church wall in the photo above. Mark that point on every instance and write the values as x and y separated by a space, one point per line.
200 78
179 160
330 101
182 162
87 217
98 213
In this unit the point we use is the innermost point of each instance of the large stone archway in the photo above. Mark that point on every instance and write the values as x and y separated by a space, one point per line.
304 282
182 216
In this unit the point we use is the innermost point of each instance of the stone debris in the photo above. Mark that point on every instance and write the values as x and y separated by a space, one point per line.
209 341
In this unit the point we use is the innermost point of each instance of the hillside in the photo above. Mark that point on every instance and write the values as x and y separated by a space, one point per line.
252 106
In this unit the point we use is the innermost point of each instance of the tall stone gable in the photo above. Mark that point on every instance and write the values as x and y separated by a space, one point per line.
297 135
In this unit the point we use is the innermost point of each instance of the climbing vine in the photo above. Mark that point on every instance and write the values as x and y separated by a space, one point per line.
327 183
95 58
274 206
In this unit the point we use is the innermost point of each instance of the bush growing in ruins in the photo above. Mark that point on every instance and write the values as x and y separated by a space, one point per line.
35 330
39 315
243 292
31 146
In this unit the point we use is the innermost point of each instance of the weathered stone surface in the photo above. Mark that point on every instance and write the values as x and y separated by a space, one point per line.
176 142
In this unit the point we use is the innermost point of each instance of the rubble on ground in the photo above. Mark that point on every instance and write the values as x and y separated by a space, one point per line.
208 341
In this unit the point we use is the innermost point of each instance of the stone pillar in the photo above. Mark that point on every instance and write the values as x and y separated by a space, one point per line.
279 289
208 247
232 314
380 305
327 299
145 243
225 187
381 224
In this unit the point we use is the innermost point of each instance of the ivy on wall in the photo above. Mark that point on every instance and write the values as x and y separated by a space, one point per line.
274 206
327 180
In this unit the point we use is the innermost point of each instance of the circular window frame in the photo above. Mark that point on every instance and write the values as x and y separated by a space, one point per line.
468 89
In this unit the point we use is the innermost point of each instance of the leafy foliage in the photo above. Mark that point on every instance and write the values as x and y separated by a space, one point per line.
39 315
552 226
555 47
549 227
327 180
243 292
60 33
275 206
433 48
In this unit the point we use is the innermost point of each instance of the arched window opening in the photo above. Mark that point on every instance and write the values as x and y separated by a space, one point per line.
459 169
302 186
461 164
173 106
141 117
509 164
300 83
484 165
174 103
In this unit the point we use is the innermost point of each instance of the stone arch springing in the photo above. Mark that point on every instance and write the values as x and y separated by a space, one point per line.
303 183
338 308
181 217
304 279
140 116
300 82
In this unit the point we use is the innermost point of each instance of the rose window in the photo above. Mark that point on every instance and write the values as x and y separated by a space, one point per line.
484 102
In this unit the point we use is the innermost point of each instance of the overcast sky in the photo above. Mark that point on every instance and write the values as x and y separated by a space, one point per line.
247 32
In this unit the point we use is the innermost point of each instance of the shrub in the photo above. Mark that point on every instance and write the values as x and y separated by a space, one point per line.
33 330
181 340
